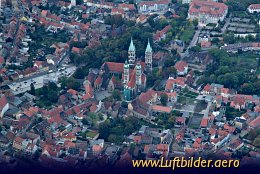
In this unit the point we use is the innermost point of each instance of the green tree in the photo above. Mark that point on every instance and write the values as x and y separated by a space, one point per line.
215 40
256 142
114 20
116 95
124 104
100 117
252 134
104 129
229 38
53 96
112 138
164 99
44 91
79 74
73 84
32 89
52 86
79 2
63 81
195 49
85 121
195 22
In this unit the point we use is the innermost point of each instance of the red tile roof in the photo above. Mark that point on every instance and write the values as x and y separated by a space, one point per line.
180 66
126 6
44 12
224 90
113 79
159 34
89 91
207 7
257 108
72 92
204 122
171 81
115 67
162 147
137 139
117 11
152 3
96 148
207 88
180 120
93 108
161 108
3 102
146 96
254 6
238 100
205 44
98 81
255 123
132 80
75 50
2 60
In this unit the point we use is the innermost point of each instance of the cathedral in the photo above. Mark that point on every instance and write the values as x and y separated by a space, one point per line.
134 75
129 76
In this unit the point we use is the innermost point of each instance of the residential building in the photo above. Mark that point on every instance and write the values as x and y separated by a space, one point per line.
207 11
4 105
254 8
153 6
181 67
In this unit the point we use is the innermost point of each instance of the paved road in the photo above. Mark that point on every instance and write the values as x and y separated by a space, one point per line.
226 24
192 43
101 95
23 85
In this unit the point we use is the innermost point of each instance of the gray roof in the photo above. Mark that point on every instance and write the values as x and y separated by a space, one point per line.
148 47
131 47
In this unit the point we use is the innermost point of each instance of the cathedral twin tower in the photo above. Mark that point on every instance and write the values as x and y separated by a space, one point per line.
148 55
134 80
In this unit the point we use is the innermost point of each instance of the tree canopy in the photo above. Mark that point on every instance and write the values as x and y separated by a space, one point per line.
233 71
164 99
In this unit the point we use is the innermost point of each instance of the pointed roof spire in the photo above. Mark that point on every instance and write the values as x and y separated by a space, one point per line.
131 47
126 65
148 47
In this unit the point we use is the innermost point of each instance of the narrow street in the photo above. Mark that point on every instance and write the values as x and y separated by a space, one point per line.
192 43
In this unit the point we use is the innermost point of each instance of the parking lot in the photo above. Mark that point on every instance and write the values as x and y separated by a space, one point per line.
25 85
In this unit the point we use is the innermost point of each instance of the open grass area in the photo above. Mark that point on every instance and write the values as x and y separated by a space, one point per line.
231 113
185 100
201 105
258 71
90 134
240 14
187 34
211 25
195 121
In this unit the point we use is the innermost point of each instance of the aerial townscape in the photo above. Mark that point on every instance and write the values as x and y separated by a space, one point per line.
97 83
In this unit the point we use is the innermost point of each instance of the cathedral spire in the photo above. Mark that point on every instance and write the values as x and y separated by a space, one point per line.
131 53
131 47
148 47
148 57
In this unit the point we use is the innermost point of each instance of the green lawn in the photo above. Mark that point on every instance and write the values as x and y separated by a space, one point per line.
188 97
187 34
231 113
240 14
211 25
90 134
258 71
